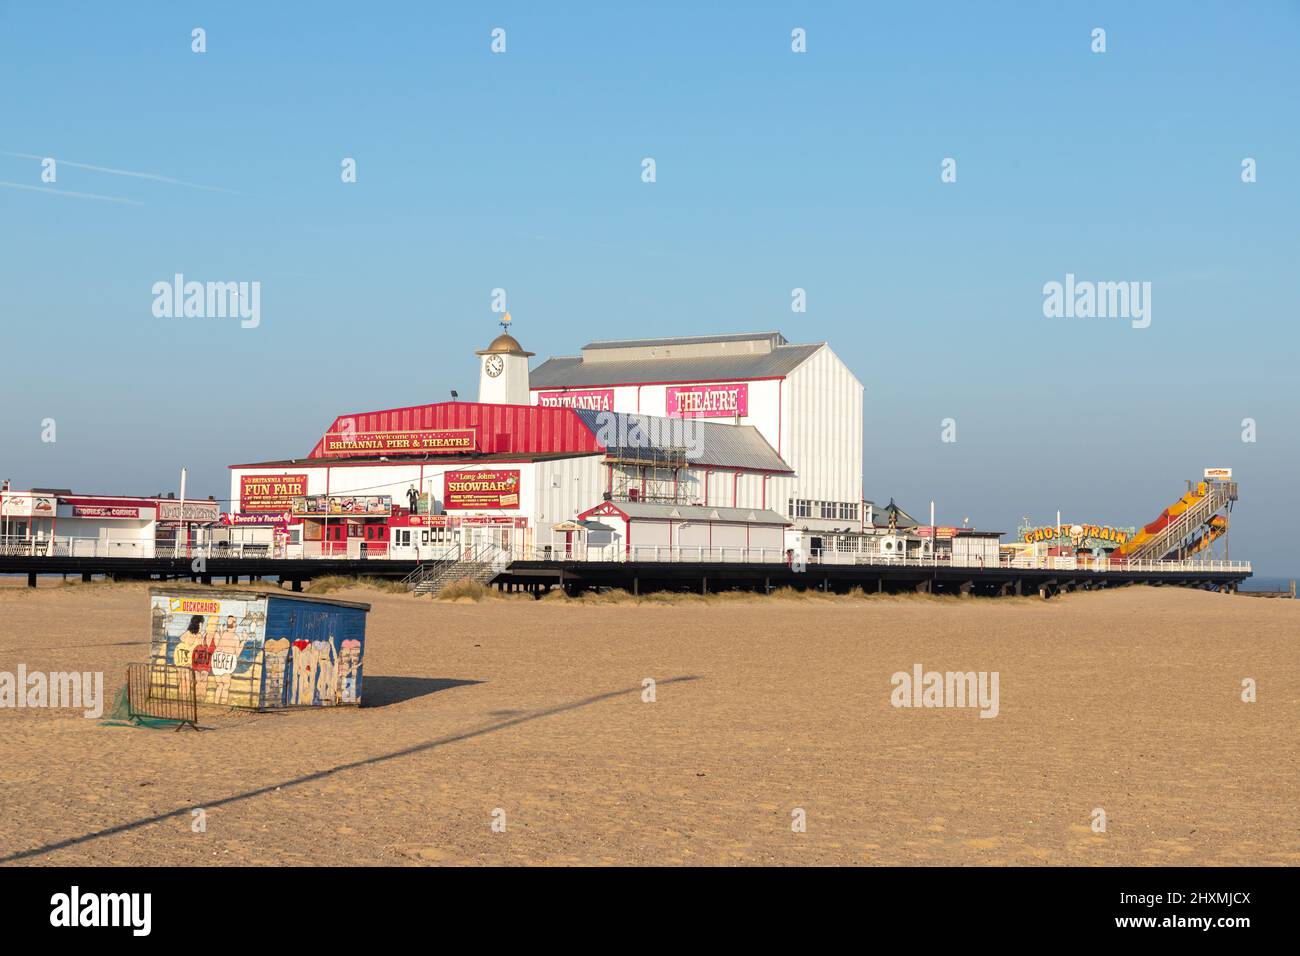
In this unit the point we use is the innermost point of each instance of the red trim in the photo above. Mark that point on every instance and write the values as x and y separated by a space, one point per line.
605 508
449 461
676 381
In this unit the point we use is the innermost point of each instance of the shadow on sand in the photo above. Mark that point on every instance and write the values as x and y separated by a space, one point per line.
382 691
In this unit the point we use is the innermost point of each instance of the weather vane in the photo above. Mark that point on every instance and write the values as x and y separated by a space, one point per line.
505 322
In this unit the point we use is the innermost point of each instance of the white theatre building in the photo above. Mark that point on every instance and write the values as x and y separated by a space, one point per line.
640 450
801 398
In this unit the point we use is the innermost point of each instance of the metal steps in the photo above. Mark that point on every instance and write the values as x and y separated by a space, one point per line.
481 571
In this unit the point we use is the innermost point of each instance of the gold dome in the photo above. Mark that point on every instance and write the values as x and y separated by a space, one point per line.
505 344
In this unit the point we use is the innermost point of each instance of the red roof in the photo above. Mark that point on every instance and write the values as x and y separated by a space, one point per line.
524 429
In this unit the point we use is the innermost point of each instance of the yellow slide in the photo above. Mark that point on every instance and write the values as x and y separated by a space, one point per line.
1166 516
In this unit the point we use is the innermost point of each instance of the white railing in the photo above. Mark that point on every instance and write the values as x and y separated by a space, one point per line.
99 548
742 555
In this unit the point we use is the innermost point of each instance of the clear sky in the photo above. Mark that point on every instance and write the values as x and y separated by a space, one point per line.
775 170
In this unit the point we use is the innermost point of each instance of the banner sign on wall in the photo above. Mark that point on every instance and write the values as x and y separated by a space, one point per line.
446 441
480 490
201 511
236 520
708 401
105 511
320 506
273 493
593 399
1080 536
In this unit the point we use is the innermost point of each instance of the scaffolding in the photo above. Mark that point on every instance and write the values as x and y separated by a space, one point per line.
649 474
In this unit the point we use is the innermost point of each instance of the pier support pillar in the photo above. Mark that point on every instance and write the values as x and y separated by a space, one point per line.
704 585
31 579
85 577
767 585
636 587
297 584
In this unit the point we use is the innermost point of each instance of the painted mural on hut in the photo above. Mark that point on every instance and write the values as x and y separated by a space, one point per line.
312 656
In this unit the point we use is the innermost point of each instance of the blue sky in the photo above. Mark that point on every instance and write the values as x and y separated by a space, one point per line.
775 170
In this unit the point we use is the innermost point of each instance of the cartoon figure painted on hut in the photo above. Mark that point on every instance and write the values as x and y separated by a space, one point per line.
225 655
349 670
326 673
181 647
274 664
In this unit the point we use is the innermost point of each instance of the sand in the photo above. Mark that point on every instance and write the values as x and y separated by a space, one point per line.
531 713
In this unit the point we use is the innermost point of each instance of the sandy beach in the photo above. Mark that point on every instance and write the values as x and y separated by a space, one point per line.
532 713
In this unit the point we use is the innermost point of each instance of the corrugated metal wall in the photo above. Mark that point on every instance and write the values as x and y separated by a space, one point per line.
499 428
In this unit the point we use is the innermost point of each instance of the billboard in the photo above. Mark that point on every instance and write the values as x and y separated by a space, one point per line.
363 506
594 399
1220 474
708 401
25 505
480 490
444 441
273 493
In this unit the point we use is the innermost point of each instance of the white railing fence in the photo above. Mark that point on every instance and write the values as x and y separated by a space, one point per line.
110 548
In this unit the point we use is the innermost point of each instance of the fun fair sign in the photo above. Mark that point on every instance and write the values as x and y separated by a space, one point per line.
708 401
270 493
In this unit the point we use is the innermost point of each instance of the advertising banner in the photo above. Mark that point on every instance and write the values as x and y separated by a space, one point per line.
273 493
320 506
708 401
594 399
446 441
480 490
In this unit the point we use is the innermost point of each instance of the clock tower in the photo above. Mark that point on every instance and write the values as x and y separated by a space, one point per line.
503 370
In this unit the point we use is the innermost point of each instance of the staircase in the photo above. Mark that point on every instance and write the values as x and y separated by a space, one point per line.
432 578
1198 508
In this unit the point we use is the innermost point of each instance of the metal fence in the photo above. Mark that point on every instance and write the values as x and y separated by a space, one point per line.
162 692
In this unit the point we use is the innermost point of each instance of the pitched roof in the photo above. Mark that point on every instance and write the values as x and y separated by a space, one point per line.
654 437
697 358
652 510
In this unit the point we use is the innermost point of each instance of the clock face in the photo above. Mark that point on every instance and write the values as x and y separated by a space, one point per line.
494 365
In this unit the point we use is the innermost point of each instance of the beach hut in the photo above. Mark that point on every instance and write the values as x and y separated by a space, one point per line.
260 650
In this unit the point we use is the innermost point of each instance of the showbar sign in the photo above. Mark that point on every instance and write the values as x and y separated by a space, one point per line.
708 401
446 441
270 493
480 490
